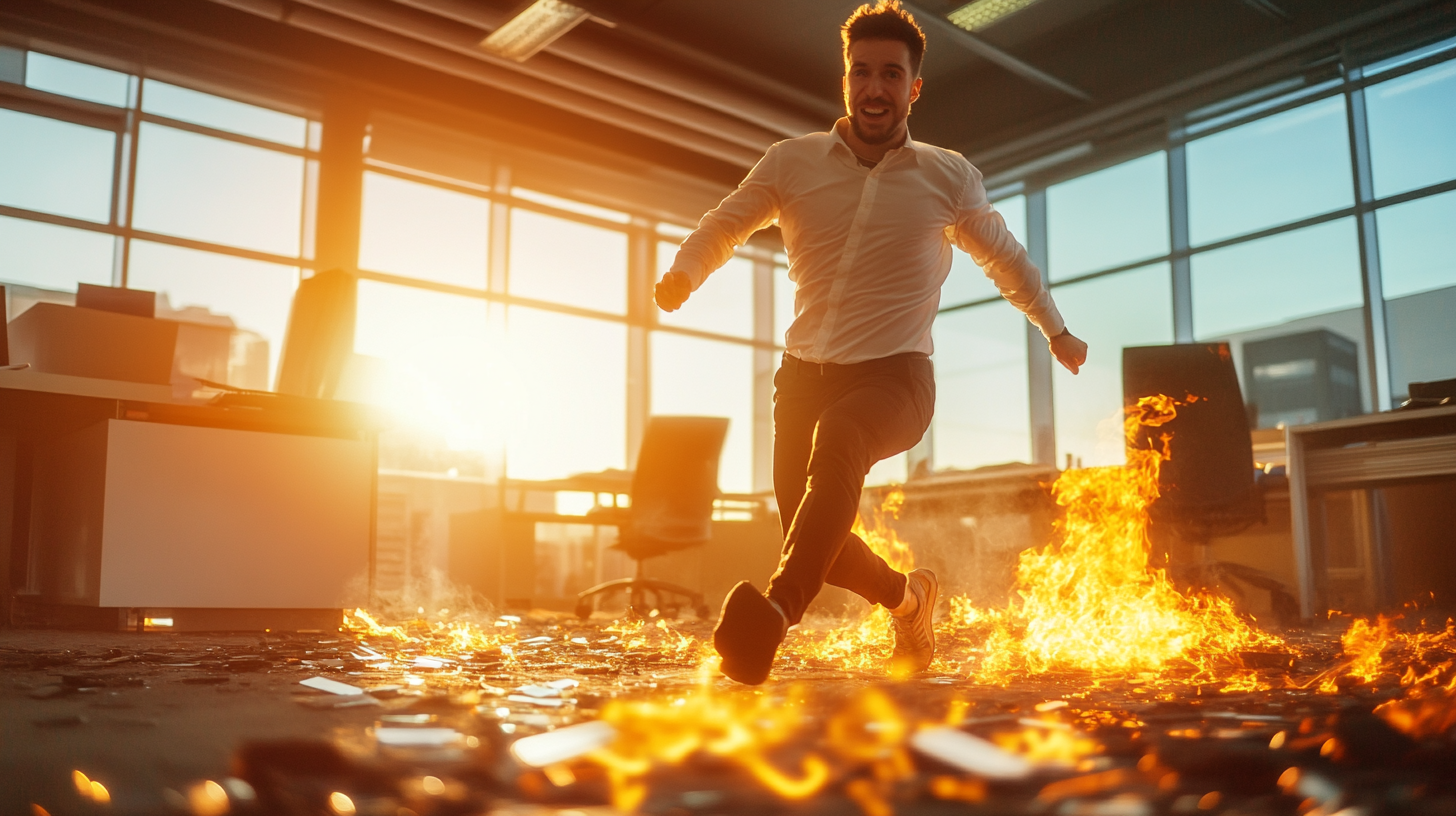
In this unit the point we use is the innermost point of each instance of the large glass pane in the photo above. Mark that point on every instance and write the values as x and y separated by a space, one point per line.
982 410
1280 289
433 349
55 167
696 377
1413 129
783 295
1111 217
568 395
1272 171
566 262
420 231
723 304
51 257
966 281
1133 308
187 105
76 79
199 187
1418 270
254 294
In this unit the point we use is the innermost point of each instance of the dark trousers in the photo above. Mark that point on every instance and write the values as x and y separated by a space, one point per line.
832 423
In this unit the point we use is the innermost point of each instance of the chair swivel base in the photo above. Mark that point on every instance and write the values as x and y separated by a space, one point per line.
637 590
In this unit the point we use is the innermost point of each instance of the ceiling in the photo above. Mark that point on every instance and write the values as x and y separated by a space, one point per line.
704 86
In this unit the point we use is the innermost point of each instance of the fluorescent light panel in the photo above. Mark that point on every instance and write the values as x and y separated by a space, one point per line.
533 29
979 14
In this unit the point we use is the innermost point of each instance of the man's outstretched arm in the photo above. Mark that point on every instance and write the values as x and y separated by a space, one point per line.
982 233
746 210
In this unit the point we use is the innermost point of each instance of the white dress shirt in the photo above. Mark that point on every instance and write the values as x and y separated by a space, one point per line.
868 248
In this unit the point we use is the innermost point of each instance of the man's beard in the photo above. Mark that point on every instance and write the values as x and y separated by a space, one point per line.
876 140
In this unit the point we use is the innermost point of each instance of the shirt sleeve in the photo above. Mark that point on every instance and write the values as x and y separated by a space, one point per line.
746 210
982 233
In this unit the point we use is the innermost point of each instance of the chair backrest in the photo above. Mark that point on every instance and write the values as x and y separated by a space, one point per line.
1209 480
674 485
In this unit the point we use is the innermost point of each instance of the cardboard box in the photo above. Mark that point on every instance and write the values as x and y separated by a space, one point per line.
81 342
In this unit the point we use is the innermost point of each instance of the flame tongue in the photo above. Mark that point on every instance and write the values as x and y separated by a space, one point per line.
1092 601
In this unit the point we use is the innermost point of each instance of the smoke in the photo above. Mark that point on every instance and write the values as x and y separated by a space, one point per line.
431 596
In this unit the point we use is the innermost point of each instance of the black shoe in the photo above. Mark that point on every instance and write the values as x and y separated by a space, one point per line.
748 634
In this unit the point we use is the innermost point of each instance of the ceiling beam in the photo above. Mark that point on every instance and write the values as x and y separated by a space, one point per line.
486 72
991 53
800 112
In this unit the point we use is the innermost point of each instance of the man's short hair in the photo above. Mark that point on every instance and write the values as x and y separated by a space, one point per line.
885 20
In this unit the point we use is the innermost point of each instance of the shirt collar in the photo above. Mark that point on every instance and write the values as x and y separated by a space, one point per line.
839 142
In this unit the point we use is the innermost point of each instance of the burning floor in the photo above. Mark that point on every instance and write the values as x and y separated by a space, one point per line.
1101 689
548 713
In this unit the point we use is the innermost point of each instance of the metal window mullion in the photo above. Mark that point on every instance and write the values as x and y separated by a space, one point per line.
1178 240
763 369
641 273
497 320
1377 350
1038 356
124 185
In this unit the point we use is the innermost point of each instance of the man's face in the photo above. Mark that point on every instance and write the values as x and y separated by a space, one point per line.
878 89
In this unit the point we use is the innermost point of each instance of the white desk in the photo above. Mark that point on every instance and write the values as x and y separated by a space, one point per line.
124 496
1369 451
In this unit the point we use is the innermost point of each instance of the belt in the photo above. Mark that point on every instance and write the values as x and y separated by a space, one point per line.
798 366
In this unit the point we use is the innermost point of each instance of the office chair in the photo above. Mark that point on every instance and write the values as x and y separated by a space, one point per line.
1208 487
673 489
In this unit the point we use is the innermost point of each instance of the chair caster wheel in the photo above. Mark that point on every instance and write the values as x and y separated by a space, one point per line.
584 609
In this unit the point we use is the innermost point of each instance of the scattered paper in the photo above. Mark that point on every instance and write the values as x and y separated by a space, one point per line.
563 744
969 753
331 686
417 737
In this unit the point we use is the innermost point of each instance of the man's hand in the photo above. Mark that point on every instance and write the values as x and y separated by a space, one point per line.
672 290
1068 350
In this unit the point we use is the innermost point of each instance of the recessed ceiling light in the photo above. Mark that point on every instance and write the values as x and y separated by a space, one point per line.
533 29
979 14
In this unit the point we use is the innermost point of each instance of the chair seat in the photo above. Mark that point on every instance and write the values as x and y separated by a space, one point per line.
638 548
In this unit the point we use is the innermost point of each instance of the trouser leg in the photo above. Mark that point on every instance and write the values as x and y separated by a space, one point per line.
828 433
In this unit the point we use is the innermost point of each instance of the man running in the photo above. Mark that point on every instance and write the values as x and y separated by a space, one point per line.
868 218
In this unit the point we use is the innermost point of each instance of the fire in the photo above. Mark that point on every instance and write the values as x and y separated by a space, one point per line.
1090 601
739 729
1094 601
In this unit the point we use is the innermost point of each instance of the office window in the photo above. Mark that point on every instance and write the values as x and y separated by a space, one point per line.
1108 218
198 108
982 413
208 189
696 377
1412 124
568 394
967 282
783 302
1133 308
1281 286
55 167
254 294
46 256
432 349
723 304
566 262
1418 270
1272 171
421 231
76 79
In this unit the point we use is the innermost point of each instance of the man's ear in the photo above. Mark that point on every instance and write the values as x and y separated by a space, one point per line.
915 89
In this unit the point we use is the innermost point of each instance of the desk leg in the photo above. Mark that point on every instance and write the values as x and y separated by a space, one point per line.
1299 506
518 562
